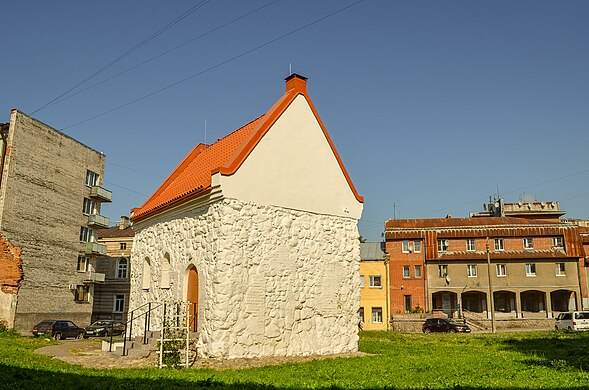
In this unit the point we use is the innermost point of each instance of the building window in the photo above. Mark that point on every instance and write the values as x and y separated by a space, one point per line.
417 246
470 244
528 243
122 267
82 263
417 270
165 282
405 246
501 270
442 271
408 303
361 281
443 245
560 269
361 315
82 293
146 281
406 271
499 244
91 178
119 306
531 269
471 270
122 246
89 207
86 234
377 315
375 281
558 242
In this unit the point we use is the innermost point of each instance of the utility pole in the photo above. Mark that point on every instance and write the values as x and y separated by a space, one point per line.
491 306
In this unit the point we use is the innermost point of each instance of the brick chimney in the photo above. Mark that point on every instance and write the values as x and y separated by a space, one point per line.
125 222
296 82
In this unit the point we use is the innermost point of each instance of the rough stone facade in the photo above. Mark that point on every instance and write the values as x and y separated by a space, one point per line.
272 281
41 197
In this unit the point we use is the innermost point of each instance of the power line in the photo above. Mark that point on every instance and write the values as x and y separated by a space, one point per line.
134 169
214 66
124 188
164 53
128 52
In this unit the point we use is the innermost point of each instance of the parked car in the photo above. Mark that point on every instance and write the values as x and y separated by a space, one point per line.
575 320
103 328
443 325
58 329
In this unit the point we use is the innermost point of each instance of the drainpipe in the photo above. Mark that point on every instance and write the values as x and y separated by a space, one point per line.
491 304
4 135
387 295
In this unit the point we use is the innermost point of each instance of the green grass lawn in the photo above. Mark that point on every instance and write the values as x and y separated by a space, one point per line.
545 360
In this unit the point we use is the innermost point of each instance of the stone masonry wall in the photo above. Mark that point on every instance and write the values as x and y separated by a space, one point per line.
41 198
11 276
272 281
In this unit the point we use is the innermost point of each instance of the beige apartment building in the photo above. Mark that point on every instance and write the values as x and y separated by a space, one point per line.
50 201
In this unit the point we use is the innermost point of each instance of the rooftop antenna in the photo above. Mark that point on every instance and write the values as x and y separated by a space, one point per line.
394 211
205 131
498 196
290 68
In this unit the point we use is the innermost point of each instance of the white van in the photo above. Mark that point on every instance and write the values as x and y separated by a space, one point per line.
575 320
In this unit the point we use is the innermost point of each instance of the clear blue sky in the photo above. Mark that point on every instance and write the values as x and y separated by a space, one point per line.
432 105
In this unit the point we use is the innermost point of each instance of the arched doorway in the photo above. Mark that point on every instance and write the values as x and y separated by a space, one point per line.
192 296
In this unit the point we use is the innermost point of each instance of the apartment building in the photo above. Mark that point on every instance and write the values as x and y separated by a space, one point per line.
374 308
111 299
532 267
50 201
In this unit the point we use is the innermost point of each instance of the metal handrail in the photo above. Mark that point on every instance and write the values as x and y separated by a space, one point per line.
151 306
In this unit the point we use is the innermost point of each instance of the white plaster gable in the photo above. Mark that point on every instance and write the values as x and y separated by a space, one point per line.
293 166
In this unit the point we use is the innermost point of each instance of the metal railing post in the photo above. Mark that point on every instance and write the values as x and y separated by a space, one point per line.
125 339
110 346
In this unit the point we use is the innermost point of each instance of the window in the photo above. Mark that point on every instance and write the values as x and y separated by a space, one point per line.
122 246
165 282
82 293
119 306
406 271
91 178
417 270
361 281
443 245
531 269
89 207
558 242
408 303
375 281
470 244
417 246
146 281
501 270
528 243
377 315
122 267
499 244
361 315
560 269
405 246
442 270
82 263
471 270
86 234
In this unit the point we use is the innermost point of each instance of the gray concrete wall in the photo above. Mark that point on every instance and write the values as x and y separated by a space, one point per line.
41 198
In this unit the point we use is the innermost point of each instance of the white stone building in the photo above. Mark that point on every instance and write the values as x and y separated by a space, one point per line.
260 229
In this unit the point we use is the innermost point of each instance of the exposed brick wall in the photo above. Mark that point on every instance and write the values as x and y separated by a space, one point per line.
11 273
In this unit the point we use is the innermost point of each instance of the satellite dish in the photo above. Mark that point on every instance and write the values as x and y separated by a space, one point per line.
410 248
448 280
446 242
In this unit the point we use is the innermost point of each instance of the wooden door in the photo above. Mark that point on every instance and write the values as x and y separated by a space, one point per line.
192 297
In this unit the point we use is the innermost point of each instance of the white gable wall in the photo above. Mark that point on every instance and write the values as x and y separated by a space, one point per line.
293 166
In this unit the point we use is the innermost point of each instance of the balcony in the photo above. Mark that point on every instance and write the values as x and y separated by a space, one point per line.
100 194
97 220
92 248
93 277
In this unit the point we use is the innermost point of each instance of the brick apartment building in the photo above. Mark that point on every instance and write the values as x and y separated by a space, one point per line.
534 267
50 198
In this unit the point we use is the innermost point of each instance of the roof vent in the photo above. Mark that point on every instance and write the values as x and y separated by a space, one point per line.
296 82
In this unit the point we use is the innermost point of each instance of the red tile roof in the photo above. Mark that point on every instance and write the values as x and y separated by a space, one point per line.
192 177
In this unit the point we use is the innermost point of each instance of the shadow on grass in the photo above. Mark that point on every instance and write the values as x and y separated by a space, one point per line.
560 350
24 378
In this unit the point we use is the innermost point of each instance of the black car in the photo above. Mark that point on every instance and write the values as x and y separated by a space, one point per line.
443 325
103 328
58 329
